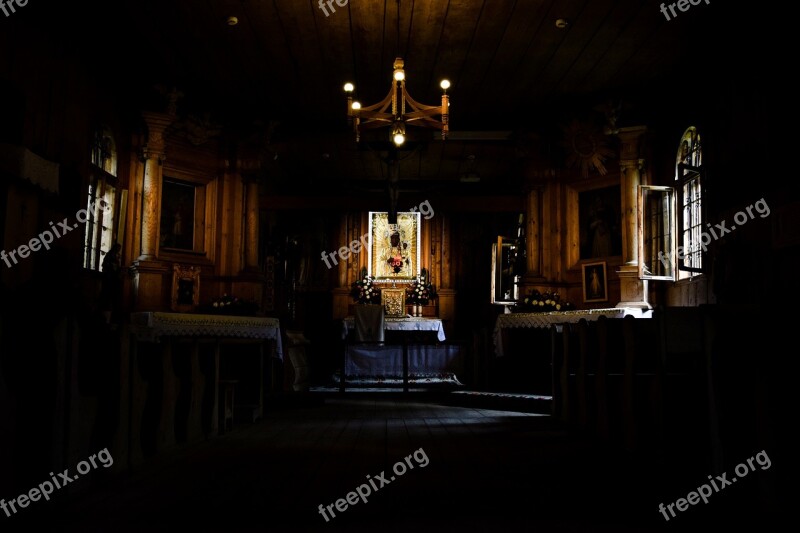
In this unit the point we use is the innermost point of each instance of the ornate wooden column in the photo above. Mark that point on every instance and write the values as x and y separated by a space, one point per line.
633 291
447 295
251 229
341 294
154 154
249 283
148 271
533 235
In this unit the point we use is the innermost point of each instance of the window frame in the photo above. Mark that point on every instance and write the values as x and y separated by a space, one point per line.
103 165
686 175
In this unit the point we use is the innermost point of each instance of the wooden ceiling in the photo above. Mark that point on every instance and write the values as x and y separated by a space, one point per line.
511 68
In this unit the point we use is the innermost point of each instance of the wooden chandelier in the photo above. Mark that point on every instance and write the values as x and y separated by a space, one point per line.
379 116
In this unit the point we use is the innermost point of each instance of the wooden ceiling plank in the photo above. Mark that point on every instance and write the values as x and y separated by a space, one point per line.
489 33
548 40
637 34
579 36
518 36
619 19
370 76
335 50
457 34
282 73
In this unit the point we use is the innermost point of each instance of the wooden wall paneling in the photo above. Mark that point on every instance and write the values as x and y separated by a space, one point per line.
447 267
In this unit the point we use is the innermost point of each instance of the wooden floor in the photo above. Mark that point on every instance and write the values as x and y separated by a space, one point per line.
488 470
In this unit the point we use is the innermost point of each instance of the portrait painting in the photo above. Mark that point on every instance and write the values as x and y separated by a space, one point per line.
177 215
595 282
599 213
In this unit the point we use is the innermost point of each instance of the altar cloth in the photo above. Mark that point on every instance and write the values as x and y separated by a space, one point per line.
387 361
151 326
403 324
545 320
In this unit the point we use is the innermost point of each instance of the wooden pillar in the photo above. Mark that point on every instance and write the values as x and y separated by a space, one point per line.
633 290
341 293
251 243
150 274
154 155
532 234
446 262
344 228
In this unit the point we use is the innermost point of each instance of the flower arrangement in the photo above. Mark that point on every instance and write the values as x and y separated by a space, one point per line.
421 291
395 263
231 305
543 302
364 291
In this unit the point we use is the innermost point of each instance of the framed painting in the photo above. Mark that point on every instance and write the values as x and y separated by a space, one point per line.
595 282
395 249
599 213
185 288
177 215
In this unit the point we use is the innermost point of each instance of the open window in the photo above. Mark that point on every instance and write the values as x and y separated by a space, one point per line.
505 288
103 186
671 218
657 242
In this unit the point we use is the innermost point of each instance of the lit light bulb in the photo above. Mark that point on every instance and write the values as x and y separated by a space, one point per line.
399 139
348 87
445 84
356 106
399 75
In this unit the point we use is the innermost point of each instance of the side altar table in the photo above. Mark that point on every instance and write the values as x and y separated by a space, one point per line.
525 347
545 320
176 363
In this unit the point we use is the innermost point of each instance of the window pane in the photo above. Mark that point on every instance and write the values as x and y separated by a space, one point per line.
90 230
107 214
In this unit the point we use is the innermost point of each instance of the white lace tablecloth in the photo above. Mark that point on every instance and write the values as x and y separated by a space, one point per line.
545 320
151 326
402 324
387 361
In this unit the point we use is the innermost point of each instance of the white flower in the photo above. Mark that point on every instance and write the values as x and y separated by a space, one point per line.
216 304
558 307
541 304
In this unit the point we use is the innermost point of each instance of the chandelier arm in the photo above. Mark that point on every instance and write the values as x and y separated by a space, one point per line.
375 115
426 123
383 103
416 105
373 124
424 113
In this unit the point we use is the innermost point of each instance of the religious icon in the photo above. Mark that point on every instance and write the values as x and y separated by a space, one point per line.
394 253
595 283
